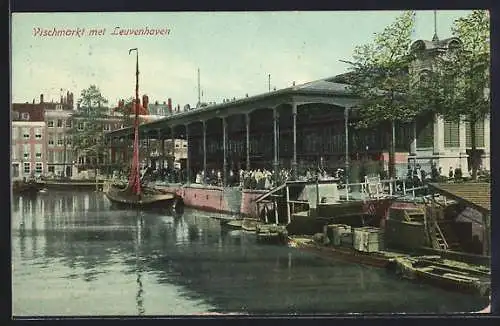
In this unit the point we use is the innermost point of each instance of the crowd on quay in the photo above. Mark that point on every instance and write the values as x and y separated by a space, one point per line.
263 178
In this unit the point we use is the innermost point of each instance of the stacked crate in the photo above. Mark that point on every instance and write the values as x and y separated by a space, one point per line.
338 233
368 239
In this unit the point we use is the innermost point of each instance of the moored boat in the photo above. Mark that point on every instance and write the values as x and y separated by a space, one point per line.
249 224
135 194
26 187
147 198
234 224
379 259
271 234
449 275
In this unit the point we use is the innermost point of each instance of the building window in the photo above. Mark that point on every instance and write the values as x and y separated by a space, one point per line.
68 124
26 152
38 150
106 127
38 133
451 134
38 167
425 132
60 142
14 133
50 124
26 133
68 141
479 134
59 123
51 169
177 146
59 107
184 145
27 167
13 153
51 141
80 125
25 116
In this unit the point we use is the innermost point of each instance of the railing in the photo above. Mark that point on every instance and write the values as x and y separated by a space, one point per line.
380 187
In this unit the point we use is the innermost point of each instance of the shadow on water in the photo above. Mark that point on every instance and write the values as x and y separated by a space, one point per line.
191 257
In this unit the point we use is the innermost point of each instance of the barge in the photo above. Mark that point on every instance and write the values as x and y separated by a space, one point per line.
380 259
446 274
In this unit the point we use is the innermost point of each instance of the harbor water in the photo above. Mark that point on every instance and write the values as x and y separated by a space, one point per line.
73 254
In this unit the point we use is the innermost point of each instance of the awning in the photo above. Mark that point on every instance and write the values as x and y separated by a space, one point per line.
476 195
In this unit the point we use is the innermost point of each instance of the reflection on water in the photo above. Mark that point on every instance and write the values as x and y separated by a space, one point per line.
74 254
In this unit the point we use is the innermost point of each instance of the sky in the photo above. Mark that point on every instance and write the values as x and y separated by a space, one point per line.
235 51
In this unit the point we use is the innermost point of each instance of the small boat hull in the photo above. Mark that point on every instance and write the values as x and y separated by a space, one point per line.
148 198
446 277
342 253
26 188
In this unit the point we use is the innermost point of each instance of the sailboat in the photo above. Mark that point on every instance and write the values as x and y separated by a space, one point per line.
134 194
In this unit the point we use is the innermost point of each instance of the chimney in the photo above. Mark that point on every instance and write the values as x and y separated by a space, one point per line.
41 98
145 101
169 105
156 103
33 101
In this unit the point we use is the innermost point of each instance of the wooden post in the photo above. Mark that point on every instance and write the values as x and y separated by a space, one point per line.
294 129
289 219
404 187
486 235
276 212
266 213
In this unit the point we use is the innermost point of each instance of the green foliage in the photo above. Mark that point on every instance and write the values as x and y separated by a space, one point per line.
380 79
89 140
380 75
468 69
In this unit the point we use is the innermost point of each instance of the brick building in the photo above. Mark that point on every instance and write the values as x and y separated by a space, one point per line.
28 146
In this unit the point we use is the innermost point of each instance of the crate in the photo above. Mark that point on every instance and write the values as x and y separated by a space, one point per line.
368 239
346 239
334 232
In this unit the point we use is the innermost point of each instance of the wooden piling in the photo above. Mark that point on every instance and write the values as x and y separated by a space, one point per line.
288 213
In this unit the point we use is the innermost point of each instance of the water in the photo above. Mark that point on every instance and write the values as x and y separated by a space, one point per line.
72 254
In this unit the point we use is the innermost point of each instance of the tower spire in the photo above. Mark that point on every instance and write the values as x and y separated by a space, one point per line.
435 38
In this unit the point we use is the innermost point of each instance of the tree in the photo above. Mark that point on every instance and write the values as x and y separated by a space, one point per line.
380 79
462 76
87 130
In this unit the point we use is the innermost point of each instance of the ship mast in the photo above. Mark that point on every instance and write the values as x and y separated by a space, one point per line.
134 180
